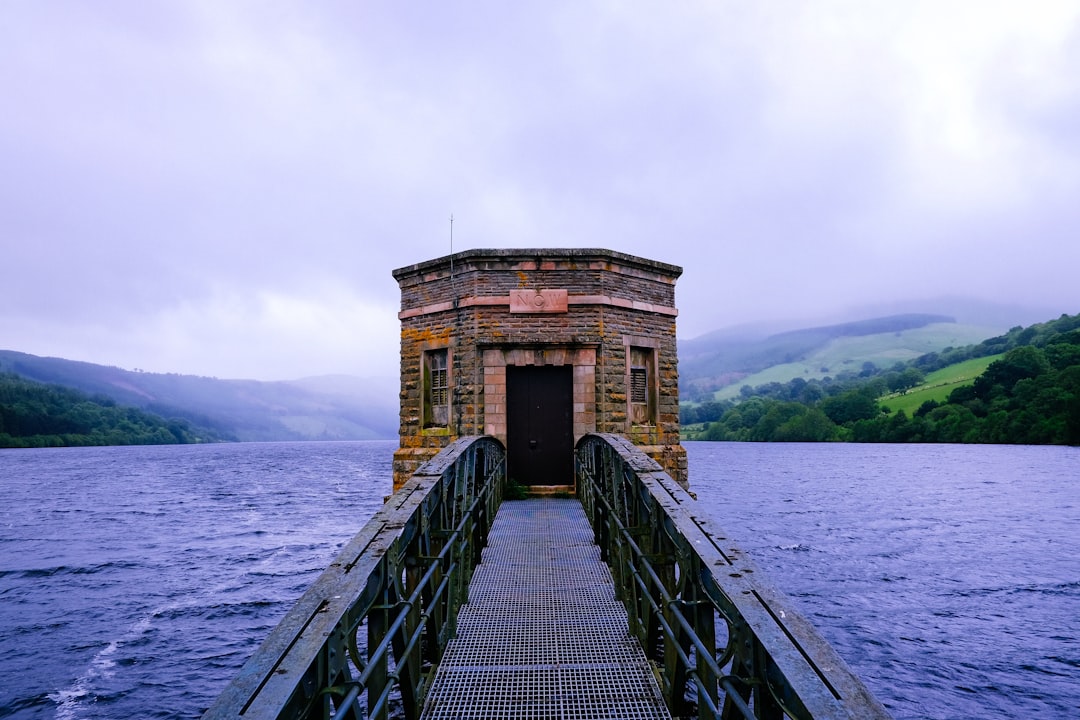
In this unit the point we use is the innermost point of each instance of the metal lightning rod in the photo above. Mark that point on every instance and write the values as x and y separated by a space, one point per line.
453 281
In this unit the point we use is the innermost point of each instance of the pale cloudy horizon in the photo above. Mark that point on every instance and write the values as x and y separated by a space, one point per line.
224 188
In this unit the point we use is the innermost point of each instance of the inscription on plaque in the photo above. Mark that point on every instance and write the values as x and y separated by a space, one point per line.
538 301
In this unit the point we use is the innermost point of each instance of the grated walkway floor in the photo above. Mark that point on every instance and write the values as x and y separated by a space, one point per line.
543 635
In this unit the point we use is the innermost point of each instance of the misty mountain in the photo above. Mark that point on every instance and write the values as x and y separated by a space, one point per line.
725 361
966 311
320 408
743 352
881 333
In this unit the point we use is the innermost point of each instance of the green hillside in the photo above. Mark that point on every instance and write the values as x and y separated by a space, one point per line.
1022 387
849 354
328 408
38 415
724 358
938 385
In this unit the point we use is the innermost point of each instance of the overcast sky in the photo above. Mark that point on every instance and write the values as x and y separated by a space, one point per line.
223 188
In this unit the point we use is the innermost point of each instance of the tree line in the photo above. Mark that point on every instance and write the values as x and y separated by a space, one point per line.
1031 395
38 415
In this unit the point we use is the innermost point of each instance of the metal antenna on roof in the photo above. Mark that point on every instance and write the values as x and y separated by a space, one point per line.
453 280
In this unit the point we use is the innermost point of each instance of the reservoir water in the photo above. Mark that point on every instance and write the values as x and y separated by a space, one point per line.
135 581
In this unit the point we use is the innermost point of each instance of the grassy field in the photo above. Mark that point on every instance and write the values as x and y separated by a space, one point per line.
849 353
938 385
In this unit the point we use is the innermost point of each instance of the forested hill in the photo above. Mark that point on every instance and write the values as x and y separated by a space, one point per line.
1028 394
724 357
38 415
324 408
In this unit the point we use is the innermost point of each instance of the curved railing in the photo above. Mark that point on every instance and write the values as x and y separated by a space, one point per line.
726 645
381 615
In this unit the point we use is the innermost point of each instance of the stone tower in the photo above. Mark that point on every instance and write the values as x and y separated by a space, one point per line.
538 348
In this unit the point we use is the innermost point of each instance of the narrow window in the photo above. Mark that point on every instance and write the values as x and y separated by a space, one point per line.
436 389
642 378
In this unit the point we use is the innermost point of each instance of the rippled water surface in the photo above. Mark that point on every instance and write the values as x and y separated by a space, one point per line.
135 581
948 576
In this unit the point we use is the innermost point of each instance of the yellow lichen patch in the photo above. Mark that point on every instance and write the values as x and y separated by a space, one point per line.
425 335
523 279
435 431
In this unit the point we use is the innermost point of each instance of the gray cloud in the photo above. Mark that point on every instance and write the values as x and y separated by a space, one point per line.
224 188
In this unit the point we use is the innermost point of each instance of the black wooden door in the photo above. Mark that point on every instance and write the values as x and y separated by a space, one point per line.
540 424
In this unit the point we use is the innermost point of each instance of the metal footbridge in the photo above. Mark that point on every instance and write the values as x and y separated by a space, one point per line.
624 602
543 634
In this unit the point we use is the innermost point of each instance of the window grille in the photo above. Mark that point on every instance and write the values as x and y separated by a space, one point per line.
639 385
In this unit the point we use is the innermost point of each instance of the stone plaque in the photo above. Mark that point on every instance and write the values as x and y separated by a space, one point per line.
538 301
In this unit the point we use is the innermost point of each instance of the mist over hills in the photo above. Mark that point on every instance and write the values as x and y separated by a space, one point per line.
319 408
715 365
720 361
346 407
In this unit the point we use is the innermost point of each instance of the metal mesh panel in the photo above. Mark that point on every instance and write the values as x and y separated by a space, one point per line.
543 635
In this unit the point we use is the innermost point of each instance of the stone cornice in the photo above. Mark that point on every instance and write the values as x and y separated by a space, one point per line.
543 258
504 301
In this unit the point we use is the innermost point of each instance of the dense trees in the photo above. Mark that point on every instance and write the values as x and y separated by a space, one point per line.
1030 395
37 415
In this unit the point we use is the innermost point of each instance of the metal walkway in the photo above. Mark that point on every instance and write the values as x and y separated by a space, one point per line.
543 635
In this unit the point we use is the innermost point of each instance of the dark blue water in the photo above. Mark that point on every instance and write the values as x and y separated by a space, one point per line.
136 581
948 576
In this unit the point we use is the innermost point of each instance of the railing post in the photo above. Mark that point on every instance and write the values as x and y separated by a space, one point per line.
378 623
678 647
703 618
764 702
601 474
407 661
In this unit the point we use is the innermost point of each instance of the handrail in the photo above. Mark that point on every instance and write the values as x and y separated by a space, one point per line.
678 575
401 579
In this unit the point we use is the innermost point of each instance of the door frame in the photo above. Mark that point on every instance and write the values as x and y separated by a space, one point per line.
582 357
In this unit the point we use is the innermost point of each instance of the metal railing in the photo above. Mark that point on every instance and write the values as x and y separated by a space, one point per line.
381 615
726 645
